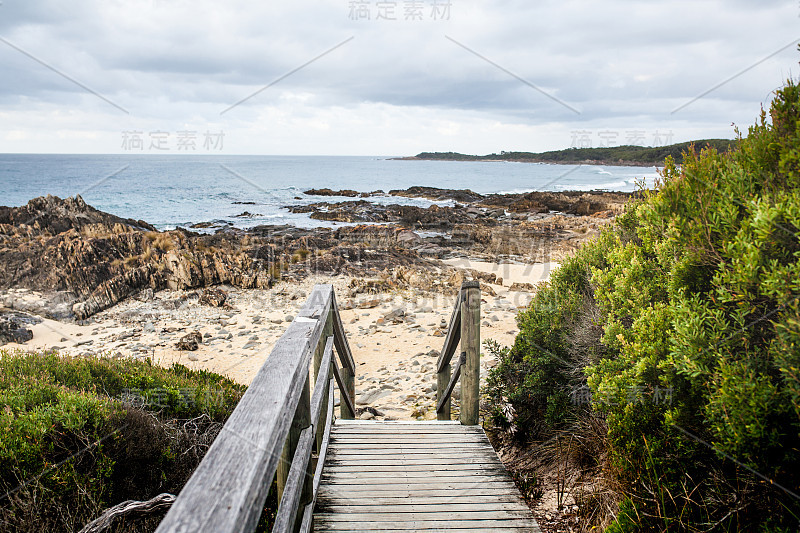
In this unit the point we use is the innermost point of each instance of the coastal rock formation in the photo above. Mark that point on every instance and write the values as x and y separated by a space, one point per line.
83 260
433 217
433 193
70 248
213 297
50 215
13 331
189 342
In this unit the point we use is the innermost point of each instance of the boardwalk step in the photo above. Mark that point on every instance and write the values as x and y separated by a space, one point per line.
399 476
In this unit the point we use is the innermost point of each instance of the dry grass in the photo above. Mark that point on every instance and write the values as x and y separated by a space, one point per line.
162 242
567 480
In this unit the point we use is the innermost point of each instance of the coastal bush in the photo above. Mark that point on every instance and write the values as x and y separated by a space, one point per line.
695 292
78 435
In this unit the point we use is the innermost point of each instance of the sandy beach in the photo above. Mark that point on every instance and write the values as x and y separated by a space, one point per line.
395 357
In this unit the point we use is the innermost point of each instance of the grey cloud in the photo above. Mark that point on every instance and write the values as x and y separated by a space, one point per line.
616 61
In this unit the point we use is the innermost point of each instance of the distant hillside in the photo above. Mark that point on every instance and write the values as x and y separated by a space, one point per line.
624 155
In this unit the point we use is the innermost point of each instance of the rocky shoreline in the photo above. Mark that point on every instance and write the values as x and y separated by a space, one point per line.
86 261
88 283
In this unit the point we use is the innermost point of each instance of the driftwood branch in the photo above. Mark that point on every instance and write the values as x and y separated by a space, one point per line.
160 502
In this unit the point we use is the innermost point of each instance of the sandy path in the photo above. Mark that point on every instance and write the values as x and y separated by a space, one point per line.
510 272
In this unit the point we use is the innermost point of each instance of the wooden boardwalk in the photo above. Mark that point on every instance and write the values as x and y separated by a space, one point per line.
345 474
407 476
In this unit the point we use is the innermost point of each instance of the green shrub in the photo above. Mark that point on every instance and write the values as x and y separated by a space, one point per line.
537 376
697 291
80 434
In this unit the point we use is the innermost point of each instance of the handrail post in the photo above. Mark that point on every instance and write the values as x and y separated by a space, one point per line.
349 383
471 345
300 421
442 380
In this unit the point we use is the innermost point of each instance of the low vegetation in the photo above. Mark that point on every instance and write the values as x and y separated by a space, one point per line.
629 154
677 332
78 435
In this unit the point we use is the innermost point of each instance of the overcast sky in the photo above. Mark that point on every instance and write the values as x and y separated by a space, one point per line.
160 76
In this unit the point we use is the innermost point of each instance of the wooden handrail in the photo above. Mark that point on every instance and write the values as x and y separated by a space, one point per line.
452 384
305 526
464 328
286 517
453 334
276 420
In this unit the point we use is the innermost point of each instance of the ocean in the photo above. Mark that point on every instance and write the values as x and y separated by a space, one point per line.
171 191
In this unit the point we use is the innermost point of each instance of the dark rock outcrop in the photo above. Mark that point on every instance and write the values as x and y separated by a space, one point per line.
344 192
12 331
434 193
213 297
189 342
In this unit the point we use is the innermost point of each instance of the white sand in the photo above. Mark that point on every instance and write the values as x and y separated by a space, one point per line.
510 272
392 360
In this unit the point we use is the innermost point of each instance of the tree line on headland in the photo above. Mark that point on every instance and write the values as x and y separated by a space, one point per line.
614 155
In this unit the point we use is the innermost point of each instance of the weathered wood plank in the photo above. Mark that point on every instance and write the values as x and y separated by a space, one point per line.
353 448
469 434
308 513
400 453
323 451
428 516
422 508
355 528
362 467
353 492
348 380
426 460
381 500
443 401
300 424
380 440
408 435
295 483
444 457
227 490
454 481
483 529
376 427
308 519
403 475
420 525
377 481
373 423
401 447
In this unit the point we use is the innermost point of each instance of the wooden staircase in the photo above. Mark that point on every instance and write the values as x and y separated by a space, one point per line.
349 475
416 476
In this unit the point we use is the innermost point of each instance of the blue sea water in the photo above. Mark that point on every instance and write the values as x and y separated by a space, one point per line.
170 191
